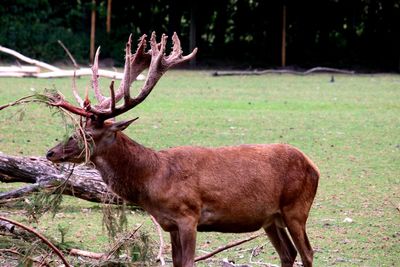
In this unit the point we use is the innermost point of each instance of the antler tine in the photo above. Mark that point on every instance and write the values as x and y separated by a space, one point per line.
127 71
176 55
95 77
190 56
75 92
112 93
176 48
140 59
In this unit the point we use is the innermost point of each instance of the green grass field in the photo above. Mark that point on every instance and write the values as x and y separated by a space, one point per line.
350 128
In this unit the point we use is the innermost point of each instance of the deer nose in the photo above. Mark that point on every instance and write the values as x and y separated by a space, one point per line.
49 154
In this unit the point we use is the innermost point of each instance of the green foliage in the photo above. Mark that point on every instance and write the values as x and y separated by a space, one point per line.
44 201
33 28
63 244
244 33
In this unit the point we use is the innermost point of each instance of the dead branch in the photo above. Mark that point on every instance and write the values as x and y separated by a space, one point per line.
121 242
27 59
160 256
87 254
254 252
40 236
282 71
68 53
54 72
22 100
227 246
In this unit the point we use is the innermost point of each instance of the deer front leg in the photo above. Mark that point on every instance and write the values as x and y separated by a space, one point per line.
176 249
187 236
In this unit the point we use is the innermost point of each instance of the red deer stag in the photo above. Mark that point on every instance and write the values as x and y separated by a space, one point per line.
188 189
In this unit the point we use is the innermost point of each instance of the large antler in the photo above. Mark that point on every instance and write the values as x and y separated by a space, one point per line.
155 59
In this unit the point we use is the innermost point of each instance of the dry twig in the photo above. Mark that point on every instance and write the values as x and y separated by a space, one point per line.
121 242
88 254
68 53
41 237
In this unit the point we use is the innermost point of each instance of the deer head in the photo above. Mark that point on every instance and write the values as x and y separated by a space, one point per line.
96 131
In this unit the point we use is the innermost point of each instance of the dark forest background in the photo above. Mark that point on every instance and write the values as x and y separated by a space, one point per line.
353 34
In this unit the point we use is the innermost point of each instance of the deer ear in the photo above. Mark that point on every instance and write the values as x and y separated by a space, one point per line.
121 125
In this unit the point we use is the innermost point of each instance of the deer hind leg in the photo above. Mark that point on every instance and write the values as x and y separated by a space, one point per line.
282 243
176 249
295 221
187 236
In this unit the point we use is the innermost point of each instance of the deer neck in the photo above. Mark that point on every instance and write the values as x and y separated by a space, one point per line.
126 166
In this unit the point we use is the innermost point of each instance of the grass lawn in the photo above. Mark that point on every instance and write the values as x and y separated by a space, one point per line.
350 128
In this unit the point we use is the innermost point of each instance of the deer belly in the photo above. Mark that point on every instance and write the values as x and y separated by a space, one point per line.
230 223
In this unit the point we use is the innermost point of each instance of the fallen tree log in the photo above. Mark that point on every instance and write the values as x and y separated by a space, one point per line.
81 181
63 73
24 69
282 71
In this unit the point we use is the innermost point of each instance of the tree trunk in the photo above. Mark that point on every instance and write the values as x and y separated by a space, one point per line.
92 30
193 28
81 181
108 23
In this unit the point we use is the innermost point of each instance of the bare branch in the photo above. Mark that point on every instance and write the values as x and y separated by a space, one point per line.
160 256
121 242
230 245
69 54
22 100
88 254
